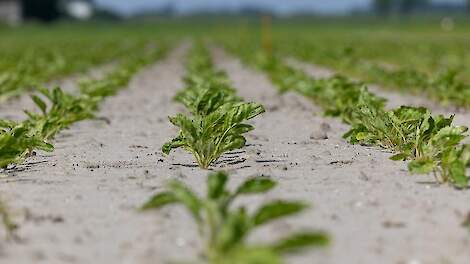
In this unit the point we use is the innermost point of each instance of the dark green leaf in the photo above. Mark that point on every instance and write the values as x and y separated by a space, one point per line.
40 103
275 210
300 241
256 185
160 200
421 166
457 174
187 198
216 184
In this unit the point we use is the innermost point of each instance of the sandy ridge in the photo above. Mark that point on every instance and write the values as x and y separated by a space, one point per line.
78 204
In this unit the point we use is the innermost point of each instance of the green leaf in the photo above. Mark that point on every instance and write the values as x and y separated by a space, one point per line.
457 174
216 184
7 124
173 144
41 145
160 200
234 230
361 136
40 103
256 185
464 154
275 210
400 156
250 255
187 198
421 166
302 240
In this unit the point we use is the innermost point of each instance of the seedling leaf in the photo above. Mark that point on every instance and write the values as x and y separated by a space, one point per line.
256 185
301 240
275 210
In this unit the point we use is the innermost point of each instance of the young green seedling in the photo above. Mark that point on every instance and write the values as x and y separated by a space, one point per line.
208 137
224 228
65 109
431 143
216 123
17 142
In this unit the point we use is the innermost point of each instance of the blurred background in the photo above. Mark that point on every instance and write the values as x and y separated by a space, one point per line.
15 12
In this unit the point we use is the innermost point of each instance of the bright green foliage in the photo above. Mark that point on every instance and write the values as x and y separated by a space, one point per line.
416 62
337 95
33 55
444 158
65 110
18 140
225 229
209 136
206 89
431 143
215 125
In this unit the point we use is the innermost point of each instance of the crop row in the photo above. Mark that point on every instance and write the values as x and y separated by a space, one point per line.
27 64
443 85
431 143
59 110
427 51
214 126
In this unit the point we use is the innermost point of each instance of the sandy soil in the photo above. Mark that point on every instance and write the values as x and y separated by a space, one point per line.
79 204
375 211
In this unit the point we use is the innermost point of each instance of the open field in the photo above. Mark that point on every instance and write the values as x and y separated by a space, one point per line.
335 163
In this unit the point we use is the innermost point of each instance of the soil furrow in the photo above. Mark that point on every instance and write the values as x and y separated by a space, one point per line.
373 208
80 204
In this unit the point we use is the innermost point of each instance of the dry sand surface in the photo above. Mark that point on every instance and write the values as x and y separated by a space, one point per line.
79 204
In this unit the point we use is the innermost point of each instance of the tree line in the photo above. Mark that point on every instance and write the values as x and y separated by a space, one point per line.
384 7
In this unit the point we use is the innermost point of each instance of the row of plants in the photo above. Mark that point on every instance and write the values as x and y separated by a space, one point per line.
59 110
443 85
214 125
431 143
29 61
426 50
215 120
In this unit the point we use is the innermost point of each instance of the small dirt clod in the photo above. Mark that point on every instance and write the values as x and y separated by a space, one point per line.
318 135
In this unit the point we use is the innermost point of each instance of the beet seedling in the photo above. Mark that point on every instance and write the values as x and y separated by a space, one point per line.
215 125
208 137
432 144
17 142
225 229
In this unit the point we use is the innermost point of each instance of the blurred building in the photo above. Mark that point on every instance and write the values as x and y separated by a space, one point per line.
77 9
10 11
15 11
